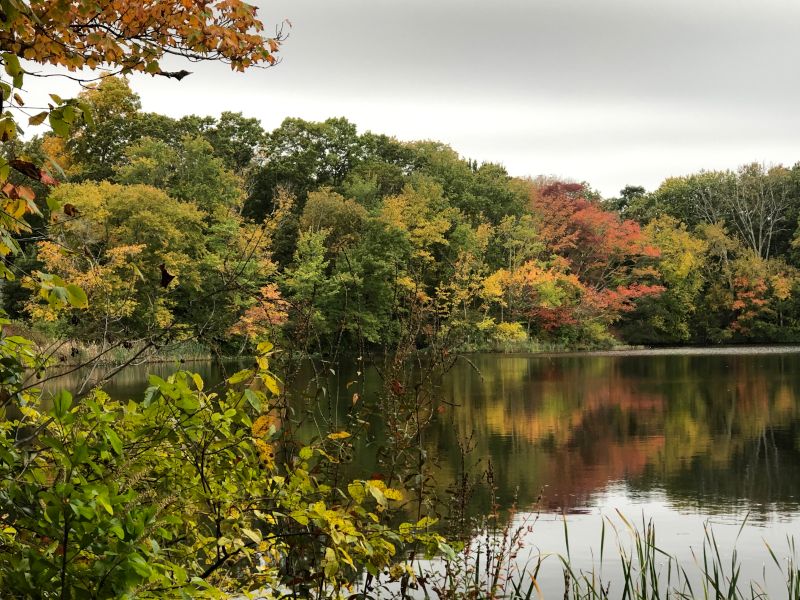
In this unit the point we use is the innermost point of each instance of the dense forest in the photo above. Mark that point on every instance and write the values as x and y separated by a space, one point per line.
227 234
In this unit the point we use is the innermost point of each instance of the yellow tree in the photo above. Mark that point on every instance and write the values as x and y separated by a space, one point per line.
421 211
681 270
85 41
116 36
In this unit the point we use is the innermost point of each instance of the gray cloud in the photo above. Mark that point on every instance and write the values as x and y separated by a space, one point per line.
587 48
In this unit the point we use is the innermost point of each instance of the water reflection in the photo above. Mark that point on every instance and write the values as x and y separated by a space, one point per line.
710 432
713 431
679 438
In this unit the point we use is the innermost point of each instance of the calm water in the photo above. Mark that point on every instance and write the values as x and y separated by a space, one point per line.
685 438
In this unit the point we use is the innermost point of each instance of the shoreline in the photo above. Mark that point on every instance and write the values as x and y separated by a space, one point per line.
617 351
728 349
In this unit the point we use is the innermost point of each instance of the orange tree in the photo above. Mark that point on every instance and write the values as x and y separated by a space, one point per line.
189 492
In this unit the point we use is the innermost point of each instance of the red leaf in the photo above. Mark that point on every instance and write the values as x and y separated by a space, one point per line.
46 179
26 193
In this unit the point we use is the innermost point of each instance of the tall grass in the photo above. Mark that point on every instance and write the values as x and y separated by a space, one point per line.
647 572
489 567
74 352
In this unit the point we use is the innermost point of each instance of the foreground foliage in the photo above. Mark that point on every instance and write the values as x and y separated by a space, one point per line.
185 492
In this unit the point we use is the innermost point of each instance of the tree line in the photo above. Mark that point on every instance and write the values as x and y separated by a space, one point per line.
229 234
126 229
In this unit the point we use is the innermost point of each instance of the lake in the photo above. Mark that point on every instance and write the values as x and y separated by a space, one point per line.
683 437
686 438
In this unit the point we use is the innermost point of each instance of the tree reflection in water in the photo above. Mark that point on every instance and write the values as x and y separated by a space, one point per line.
710 430
714 430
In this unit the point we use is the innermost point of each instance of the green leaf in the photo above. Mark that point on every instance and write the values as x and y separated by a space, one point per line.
179 574
69 114
61 404
8 129
102 500
76 296
114 440
150 394
300 517
60 127
253 399
52 203
13 68
86 111
81 454
188 403
331 563
240 376
5 169
155 380
139 565
118 531
255 536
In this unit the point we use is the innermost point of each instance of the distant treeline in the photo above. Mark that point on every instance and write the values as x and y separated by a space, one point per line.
214 230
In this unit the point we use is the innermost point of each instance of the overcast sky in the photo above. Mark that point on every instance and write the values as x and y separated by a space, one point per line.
613 92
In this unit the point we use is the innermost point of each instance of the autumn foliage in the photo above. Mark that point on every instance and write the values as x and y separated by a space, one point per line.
133 36
352 237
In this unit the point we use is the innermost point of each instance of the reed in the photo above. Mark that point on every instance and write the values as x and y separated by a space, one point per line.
489 568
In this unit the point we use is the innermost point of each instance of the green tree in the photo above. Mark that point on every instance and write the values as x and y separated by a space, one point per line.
187 171
98 149
342 218
382 171
631 197
237 140
301 156
309 287
150 229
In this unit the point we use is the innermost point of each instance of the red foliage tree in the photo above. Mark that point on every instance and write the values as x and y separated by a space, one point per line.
608 254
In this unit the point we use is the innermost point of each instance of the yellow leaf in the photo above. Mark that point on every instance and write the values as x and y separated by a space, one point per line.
271 383
198 381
